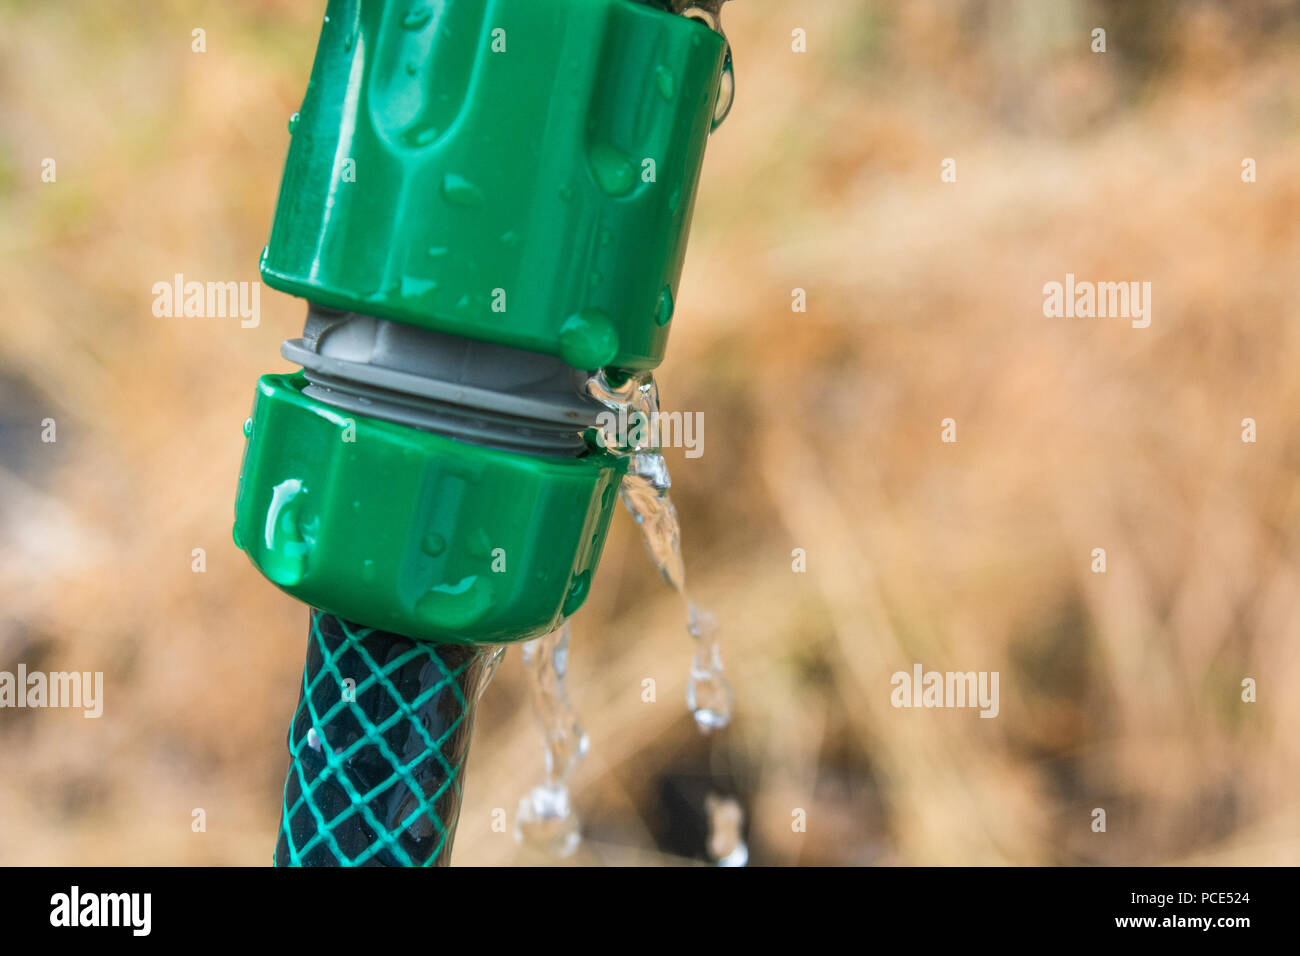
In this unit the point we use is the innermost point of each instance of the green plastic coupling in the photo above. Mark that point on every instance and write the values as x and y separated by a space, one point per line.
514 172
405 530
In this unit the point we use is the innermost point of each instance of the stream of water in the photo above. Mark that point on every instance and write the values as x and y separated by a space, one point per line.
546 818
644 492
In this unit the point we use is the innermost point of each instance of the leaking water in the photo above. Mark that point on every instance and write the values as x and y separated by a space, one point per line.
726 831
644 492
495 656
545 818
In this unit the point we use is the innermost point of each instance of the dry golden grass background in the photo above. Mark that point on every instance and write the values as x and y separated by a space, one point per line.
1119 691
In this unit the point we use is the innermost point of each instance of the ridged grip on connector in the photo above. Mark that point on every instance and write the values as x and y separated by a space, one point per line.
515 171
411 532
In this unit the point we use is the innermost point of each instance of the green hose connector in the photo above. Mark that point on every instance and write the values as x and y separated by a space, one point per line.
518 174
414 533
511 171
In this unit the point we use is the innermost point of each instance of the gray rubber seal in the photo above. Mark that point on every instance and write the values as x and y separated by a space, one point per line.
474 391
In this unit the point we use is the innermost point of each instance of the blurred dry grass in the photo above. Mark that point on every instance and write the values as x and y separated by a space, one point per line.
1118 690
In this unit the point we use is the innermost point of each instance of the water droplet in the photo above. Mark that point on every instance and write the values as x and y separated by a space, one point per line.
708 694
459 191
494 658
664 310
545 820
413 287
614 172
289 535
726 842
437 252
422 136
510 238
588 340
726 92
416 17
433 544
665 82
248 427
293 122
411 68
313 739
577 593
456 604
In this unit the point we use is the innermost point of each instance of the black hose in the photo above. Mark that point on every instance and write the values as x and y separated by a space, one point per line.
377 748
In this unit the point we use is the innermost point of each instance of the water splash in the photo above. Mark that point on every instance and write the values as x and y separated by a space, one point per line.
726 844
495 656
644 492
545 818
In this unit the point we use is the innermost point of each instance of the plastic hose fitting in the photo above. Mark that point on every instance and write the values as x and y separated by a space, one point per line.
484 202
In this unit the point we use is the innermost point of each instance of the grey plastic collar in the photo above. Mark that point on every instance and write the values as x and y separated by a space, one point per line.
473 391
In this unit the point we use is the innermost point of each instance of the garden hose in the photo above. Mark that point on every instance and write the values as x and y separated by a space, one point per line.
377 747
485 202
